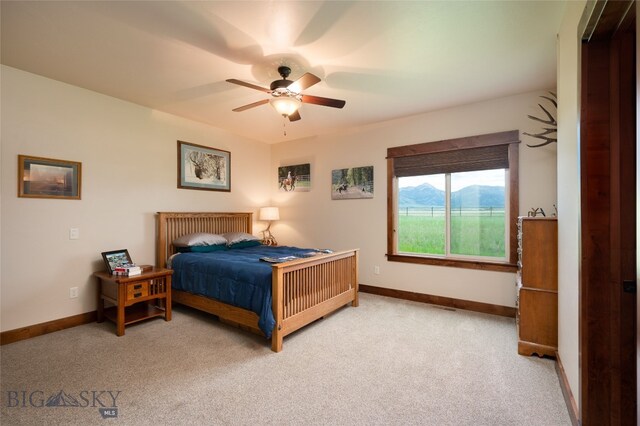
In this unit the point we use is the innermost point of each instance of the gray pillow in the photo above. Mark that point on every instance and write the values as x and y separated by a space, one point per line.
238 237
199 239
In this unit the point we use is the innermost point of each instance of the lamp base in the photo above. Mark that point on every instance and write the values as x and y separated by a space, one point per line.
268 239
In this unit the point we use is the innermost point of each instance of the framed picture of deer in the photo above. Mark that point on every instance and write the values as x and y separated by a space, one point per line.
295 178
203 167
352 183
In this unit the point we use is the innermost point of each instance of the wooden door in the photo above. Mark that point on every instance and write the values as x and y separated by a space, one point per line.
608 220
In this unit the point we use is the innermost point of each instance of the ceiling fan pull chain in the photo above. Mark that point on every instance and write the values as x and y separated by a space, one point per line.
284 125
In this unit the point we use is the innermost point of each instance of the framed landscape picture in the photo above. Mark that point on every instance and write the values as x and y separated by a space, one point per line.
202 167
48 178
295 178
353 183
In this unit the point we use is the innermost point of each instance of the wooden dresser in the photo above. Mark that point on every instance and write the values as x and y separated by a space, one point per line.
537 281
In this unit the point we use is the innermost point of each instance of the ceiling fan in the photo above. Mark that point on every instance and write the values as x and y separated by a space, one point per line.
286 96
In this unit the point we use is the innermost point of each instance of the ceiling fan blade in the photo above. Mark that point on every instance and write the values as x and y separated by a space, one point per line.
249 85
317 100
303 82
255 104
295 116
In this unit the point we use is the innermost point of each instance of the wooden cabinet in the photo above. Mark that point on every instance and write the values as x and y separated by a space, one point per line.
134 298
537 281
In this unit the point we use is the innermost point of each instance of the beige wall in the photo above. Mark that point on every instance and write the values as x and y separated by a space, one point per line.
313 219
128 156
569 192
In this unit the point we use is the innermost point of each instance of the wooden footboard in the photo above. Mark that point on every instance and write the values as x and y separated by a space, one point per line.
303 290
307 289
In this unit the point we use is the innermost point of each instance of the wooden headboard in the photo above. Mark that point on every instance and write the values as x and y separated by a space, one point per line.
172 225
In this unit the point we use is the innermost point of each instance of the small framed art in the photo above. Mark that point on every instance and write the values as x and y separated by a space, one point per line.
48 178
202 167
116 259
295 178
352 183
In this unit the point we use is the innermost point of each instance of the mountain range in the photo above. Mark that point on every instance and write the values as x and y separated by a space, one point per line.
426 195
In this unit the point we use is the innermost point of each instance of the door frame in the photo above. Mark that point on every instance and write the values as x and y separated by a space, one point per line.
608 315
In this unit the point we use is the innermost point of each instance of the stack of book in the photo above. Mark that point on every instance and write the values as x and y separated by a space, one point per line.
127 270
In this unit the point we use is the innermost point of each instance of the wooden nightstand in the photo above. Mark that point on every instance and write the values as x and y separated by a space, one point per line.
135 298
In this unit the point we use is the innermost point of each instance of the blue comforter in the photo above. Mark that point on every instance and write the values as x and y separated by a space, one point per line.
236 276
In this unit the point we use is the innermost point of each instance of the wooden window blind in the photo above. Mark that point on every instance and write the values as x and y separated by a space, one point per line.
464 160
484 152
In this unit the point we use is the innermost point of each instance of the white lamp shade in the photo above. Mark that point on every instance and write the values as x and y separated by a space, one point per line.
285 105
269 213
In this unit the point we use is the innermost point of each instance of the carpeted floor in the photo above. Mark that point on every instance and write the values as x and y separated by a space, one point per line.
385 362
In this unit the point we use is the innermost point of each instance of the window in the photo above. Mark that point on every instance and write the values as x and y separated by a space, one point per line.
454 202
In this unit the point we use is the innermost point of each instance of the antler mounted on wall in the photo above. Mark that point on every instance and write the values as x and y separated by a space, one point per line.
550 120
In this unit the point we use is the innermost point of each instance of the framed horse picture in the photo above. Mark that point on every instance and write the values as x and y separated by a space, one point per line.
294 178
353 183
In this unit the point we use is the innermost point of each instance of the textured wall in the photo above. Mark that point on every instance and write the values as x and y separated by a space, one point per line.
313 219
128 156
569 192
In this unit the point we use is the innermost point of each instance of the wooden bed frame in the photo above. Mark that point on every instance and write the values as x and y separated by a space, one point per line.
303 289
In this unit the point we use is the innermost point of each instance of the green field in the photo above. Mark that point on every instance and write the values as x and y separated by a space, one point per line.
470 235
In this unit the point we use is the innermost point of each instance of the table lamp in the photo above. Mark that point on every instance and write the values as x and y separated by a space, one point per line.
269 214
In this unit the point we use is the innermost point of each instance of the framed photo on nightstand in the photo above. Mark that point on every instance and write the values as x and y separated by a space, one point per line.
116 259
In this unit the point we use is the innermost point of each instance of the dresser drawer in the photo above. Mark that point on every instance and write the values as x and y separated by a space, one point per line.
137 290
538 316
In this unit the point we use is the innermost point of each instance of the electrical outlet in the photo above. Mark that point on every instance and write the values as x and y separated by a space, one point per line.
74 233
376 270
73 292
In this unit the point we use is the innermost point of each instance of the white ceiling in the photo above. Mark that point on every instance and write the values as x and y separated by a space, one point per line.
386 59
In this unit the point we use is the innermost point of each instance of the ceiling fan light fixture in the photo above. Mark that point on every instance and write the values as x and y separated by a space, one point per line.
286 95
285 105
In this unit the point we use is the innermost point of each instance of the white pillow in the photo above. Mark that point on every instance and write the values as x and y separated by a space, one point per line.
238 237
199 239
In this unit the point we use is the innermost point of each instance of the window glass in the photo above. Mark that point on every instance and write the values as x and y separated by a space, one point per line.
477 213
421 214
473 208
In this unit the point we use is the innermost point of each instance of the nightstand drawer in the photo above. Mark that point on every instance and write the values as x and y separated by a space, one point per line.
137 289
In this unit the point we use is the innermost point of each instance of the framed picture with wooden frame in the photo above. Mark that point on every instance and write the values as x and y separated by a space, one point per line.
203 167
40 177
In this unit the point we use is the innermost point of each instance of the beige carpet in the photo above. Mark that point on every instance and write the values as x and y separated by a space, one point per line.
385 362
